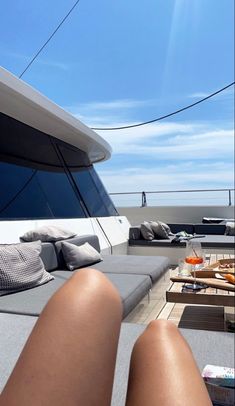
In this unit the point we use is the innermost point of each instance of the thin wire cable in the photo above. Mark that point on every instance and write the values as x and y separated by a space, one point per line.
51 36
167 115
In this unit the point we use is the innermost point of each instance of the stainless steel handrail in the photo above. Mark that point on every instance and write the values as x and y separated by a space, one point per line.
144 193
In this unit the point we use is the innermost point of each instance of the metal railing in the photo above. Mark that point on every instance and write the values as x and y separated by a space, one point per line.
143 195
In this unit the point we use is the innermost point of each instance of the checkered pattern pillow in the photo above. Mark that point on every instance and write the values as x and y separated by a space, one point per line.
21 267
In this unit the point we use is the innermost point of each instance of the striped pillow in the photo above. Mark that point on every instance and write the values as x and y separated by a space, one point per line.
21 267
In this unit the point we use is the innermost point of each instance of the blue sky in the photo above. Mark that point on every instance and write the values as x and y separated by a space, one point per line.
122 62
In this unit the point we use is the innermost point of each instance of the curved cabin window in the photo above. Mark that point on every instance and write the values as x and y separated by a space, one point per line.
36 182
90 187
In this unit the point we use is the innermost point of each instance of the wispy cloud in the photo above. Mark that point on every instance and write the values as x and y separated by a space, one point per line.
198 95
41 61
225 94
115 104
173 141
99 113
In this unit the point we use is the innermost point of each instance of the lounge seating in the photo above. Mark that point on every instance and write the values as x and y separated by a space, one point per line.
213 240
208 348
133 276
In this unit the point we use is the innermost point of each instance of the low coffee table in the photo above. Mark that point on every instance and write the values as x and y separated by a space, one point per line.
208 296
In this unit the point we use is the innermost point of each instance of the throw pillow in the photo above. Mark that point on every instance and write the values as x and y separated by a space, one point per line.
79 256
146 231
21 267
47 233
166 227
230 228
159 230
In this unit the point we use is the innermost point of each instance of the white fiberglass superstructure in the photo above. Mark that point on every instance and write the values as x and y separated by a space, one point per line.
46 170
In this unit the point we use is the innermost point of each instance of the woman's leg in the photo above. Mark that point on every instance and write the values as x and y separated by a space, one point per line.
163 371
69 358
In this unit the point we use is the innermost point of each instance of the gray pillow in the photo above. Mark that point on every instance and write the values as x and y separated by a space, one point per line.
47 233
79 256
159 230
21 267
146 231
230 228
166 227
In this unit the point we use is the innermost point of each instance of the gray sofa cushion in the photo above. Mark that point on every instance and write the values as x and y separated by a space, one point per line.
208 347
79 256
48 256
15 330
209 241
30 301
209 229
176 228
153 266
78 240
132 288
155 242
135 234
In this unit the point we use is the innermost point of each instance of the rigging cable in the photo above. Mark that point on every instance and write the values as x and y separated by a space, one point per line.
51 36
167 115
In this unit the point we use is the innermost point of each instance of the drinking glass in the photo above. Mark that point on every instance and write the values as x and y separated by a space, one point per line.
194 256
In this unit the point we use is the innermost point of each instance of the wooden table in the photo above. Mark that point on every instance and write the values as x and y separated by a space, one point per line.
208 296
202 313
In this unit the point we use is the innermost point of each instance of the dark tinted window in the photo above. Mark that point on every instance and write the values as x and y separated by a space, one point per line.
104 195
42 177
33 182
90 187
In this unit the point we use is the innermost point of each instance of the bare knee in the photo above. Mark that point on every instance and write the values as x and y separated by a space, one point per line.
86 286
161 327
156 331
95 281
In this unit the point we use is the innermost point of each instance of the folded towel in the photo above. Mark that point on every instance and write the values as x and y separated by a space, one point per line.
183 236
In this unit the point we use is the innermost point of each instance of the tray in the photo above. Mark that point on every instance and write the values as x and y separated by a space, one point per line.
216 266
210 273
212 282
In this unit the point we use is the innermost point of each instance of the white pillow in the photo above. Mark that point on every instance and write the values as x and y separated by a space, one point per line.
47 233
79 256
21 267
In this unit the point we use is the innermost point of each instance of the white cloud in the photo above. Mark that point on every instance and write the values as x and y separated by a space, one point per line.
165 140
172 141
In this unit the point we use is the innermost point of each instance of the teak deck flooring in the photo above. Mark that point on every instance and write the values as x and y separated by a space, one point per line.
183 315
